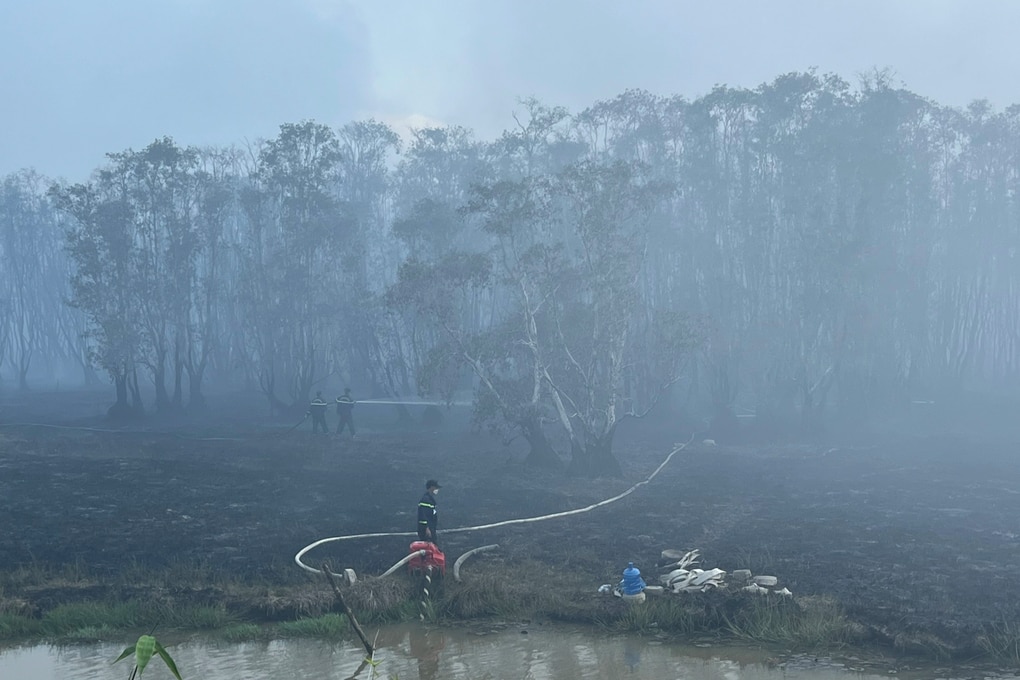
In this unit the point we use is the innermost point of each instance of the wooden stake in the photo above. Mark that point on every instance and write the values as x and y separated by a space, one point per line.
347 610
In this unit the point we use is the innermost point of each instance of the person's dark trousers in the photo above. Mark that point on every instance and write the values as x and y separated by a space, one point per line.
345 422
317 422
423 537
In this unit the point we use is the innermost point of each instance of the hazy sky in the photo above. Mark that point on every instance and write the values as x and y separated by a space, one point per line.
84 77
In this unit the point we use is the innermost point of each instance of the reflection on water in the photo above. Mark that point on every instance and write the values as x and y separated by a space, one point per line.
413 651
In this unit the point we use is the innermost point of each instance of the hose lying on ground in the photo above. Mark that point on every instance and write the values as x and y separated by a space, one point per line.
460 560
106 430
577 511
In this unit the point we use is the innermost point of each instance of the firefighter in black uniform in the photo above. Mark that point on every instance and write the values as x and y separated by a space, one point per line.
427 514
344 406
317 410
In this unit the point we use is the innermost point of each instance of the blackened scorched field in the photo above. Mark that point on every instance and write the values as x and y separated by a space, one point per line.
909 533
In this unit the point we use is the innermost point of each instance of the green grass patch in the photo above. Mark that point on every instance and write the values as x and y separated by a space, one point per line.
65 619
807 623
192 617
16 626
668 614
92 634
330 626
486 595
407 610
242 632
804 624
83 619
493 590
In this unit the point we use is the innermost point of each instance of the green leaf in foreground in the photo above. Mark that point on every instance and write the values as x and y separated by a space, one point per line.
143 651
168 660
144 648
125 654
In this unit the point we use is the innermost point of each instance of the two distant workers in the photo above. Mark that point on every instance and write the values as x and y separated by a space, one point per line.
344 411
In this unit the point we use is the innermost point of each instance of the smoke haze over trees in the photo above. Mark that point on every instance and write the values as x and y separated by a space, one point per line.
808 251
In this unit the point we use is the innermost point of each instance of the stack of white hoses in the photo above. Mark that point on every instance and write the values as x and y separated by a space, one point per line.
684 577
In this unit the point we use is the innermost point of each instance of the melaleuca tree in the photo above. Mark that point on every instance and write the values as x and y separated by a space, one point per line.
432 182
104 284
291 260
883 258
430 298
215 203
503 354
538 144
160 184
508 358
606 207
509 391
32 276
363 347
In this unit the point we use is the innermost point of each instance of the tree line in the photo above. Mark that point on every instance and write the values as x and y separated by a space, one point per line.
796 250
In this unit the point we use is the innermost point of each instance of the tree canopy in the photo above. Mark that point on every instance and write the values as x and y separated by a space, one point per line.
805 250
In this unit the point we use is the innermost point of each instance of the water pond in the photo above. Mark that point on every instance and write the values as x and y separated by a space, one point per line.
410 652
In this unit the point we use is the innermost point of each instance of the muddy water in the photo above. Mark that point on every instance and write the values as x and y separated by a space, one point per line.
415 652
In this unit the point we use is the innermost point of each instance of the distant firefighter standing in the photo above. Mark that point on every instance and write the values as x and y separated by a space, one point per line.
344 409
317 410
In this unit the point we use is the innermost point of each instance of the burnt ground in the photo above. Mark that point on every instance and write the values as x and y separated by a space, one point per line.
912 534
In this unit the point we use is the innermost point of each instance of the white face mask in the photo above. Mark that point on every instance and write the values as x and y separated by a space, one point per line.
435 491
